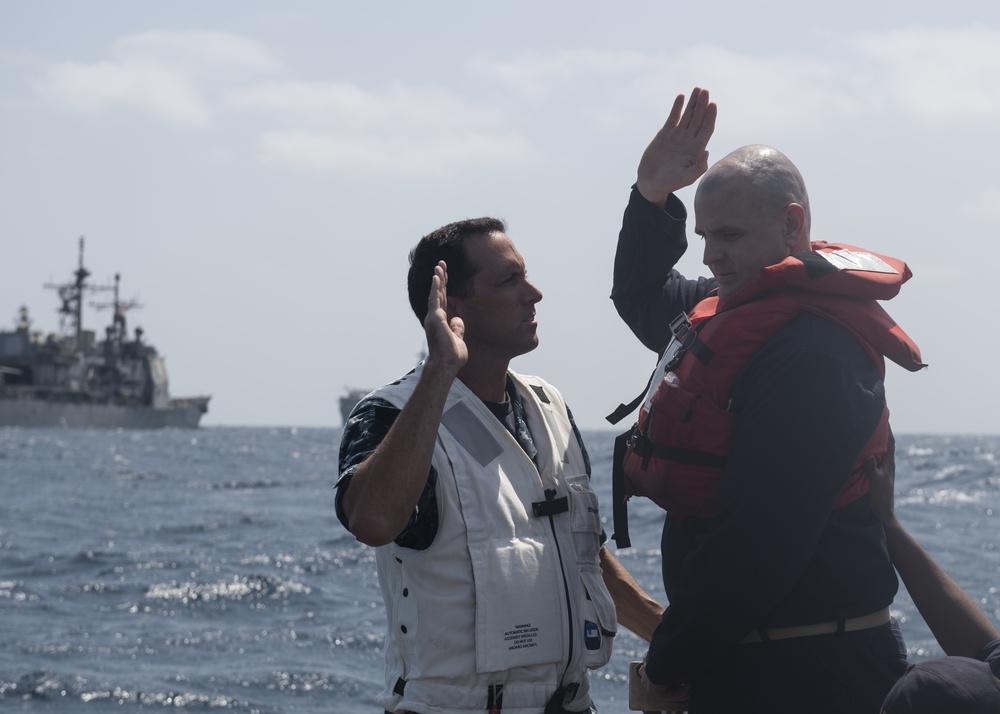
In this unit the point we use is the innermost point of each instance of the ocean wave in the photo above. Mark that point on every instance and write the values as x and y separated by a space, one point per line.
235 588
41 686
14 590
241 485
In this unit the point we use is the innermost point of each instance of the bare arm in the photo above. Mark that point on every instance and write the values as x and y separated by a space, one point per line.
641 614
385 488
636 609
958 623
676 156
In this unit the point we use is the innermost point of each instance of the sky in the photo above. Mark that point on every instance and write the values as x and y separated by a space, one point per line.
257 172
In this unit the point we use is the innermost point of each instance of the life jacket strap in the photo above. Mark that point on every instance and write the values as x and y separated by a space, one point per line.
619 501
645 448
623 410
684 336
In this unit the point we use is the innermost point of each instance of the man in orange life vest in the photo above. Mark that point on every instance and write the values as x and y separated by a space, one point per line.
754 432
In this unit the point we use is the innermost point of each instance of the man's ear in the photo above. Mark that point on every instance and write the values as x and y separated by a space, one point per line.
795 225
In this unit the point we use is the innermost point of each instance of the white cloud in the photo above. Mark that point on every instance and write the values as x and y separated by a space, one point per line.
185 78
933 75
418 131
197 52
772 92
348 106
160 73
537 74
920 75
437 155
154 89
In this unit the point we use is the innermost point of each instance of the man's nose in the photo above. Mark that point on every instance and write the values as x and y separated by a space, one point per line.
711 254
534 294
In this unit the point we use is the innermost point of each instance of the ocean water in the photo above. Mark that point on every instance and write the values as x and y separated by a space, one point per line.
205 571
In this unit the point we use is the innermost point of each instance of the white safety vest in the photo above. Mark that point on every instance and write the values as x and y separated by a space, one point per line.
502 596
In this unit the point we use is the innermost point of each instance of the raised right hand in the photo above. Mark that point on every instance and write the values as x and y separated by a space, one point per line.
676 157
445 343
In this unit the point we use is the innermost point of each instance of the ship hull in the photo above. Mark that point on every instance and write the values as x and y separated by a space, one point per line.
38 413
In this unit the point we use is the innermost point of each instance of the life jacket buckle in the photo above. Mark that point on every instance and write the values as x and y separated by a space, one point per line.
681 329
633 435
638 443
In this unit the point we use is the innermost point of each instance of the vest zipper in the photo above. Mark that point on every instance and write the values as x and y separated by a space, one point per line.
550 494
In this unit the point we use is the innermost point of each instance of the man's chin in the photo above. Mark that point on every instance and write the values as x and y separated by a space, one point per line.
529 346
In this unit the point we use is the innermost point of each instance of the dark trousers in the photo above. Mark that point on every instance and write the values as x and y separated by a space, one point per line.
847 673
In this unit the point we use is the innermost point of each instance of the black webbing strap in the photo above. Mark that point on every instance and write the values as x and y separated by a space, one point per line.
692 457
700 350
551 505
550 508
624 410
494 698
684 337
399 686
557 702
619 503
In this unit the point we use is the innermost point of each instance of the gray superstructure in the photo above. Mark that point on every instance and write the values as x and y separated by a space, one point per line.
72 379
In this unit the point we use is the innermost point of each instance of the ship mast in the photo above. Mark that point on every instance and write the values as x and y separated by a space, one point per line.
119 308
71 295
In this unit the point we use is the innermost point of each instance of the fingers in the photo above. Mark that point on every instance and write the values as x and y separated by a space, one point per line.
707 126
677 156
881 471
693 114
889 460
437 298
701 115
674 118
697 106
441 273
694 107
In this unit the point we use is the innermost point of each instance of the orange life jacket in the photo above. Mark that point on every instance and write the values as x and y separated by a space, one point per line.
676 453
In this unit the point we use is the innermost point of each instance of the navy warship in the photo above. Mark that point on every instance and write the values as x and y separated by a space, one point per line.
69 378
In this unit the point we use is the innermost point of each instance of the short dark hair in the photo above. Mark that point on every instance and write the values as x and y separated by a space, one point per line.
448 244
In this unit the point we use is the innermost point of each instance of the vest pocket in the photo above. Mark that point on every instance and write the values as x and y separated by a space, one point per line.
519 619
679 452
586 519
599 619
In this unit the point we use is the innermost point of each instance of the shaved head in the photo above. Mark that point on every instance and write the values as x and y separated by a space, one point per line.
752 210
766 173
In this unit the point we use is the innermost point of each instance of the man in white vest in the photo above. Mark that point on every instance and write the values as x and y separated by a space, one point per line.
473 484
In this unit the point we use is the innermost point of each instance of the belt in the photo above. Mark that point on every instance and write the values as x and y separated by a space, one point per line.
851 624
